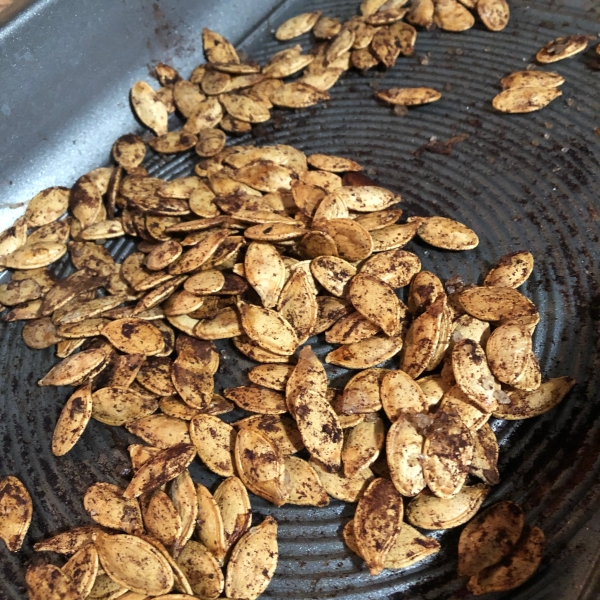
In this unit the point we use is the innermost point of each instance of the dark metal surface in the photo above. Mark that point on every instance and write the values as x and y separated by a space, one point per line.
526 181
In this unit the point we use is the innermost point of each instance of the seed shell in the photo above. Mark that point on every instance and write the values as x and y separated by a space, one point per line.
72 421
75 368
234 504
305 487
106 505
365 354
525 100
150 110
562 47
201 570
82 569
47 581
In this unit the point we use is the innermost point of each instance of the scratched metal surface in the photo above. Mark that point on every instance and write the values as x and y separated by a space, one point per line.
520 181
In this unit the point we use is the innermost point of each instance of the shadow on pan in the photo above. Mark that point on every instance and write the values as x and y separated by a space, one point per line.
521 181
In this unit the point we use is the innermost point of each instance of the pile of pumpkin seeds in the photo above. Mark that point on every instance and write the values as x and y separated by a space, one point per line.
269 248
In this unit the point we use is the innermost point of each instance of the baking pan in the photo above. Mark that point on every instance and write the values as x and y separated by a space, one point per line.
521 181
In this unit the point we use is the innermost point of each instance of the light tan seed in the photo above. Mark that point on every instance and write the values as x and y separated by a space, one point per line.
305 487
217 48
562 47
185 501
206 115
82 569
512 270
455 401
129 151
520 79
427 511
297 25
257 400
34 256
47 206
16 510
271 376
161 431
150 110
449 15
298 95
363 445
280 429
508 350
209 528
134 564
253 561
161 519
379 219
365 354
394 267
496 303
495 14
17 292
525 100
447 234
68 542
401 396
265 272
75 368
260 465
421 13
351 329
58 232
215 442
72 421
47 581
134 336
233 502
199 254
473 374
40 333
352 240
245 108
308 375
376 301
393 236
332 273
489 537
297 304
106 505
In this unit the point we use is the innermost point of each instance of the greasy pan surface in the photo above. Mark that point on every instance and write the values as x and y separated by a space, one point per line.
521 182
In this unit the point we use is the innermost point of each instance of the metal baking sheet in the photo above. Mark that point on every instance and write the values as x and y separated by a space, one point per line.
521 181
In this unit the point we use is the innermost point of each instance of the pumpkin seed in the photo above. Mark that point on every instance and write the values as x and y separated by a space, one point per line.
305 487
297 304
265 272
522 564
134 563
508 350
512 270
298 95
253 561
448 450
393 236
47 206
366 353
308 376
134 336
297 25
40 333
206 115
129 151
57 232
68 542
217 48
209 528
260 465
377 523
524 405
34 256
251 349
409 96
75 368
48 581
160 430
149 109
245 108
496 303
520 79
225 324
353 241
273 377
72 421
12 238
16 510
363 445
447 234
233 502
525 99
161 519
163 467
401 396
562 47
351 329
17 292
185 501
422 338
485 455
281 430
455 401
494 14
489 537
82 569
449 15
215 441
106 505
427 511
